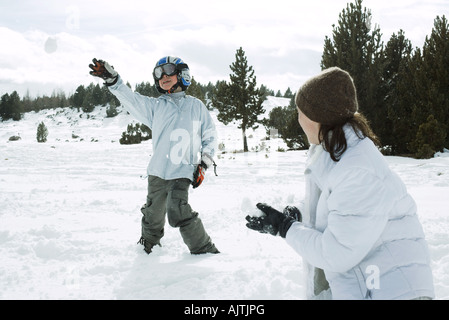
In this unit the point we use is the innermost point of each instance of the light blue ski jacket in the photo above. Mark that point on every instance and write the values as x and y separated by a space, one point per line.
360 225
182 130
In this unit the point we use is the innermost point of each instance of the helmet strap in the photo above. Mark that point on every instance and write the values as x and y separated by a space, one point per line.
173 89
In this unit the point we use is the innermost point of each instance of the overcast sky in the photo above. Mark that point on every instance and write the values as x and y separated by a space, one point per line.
47 45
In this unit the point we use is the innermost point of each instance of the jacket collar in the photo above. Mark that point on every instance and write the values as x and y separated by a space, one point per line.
319 163
351 136
175 97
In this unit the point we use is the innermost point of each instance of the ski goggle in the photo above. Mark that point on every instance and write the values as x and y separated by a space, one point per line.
168 69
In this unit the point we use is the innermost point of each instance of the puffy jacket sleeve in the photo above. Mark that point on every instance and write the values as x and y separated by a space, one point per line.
358 205
139 106
208 133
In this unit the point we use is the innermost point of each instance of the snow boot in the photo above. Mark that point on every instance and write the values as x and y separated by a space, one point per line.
209 249
147 247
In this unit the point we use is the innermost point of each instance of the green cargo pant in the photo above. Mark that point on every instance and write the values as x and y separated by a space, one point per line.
171 197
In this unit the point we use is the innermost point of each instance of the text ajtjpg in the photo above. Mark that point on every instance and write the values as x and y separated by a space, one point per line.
233 310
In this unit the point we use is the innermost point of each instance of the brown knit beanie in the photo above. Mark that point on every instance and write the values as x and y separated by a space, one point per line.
329 98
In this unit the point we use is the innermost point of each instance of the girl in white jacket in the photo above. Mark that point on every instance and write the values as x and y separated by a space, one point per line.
358 231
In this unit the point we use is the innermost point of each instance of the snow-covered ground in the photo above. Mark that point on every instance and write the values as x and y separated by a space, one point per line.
70 215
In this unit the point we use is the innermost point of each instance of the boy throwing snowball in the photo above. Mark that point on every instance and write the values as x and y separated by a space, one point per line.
184 143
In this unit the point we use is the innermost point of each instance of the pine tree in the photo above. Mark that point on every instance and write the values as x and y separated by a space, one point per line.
42 132
88 103
240 99
285 120
4 107
16 106
97 95
11 106
133 135
435 76
288 93
423 101
405 110
429 138
111 110
78 97
195 90
397 53
146 89
266 91
27 102
358 50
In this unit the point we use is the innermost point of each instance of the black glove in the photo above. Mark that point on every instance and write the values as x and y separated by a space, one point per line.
273 222
103 70
293 212
199 174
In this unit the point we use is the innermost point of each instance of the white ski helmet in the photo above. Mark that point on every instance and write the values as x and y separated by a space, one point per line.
170 66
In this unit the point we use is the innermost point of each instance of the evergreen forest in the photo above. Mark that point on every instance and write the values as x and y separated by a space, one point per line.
402 90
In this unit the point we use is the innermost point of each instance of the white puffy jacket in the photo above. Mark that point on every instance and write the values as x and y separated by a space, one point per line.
360 226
